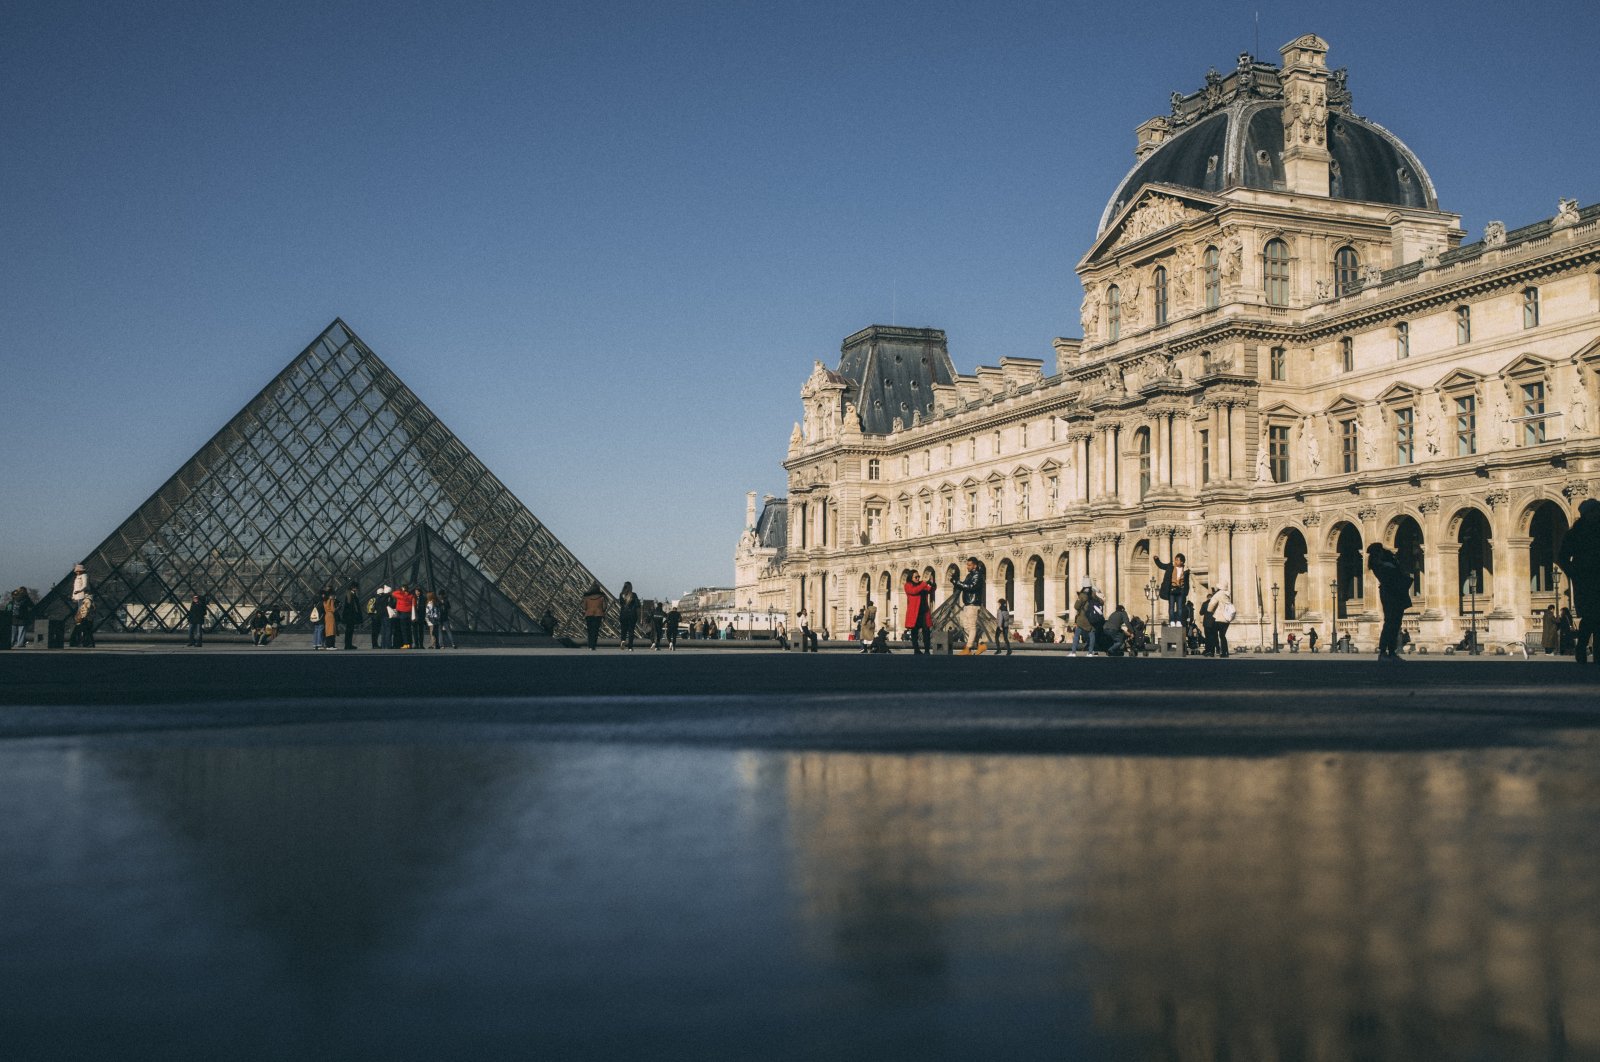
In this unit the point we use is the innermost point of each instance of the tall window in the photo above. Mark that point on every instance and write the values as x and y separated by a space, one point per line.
1114 313
1024 500
1347 354
997 504
927 516
1466 425
1530 307
1346 271
1463 325
997 444
1275 272
1205 455
1405 435
1279 363
1022 435
1278 452
1142 441
1053 486
1402 340
905 464
1349 445
972 448
1212 263
1533 413
874 524
1159 282
949 512
874 469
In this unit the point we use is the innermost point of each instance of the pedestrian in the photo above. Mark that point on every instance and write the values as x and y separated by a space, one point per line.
969 591
919 613
21 616
880 641
430 615
1394 595
1549 631
547 622
375 616
1219 611
83 626
330 618
1579 557
351 614
674 618
1311 639
1002 617
627 615
196 618
405 602
385 613
1088 610
80 592
447 637
867 623
658 625
1564 627
256 624
1116 631
594 611
808 637
1175 582
314 617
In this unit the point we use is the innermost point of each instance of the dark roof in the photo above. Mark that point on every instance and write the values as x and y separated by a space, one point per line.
772 526
1241 146
891 371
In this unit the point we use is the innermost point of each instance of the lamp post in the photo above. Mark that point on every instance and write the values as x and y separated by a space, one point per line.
1472 613
1274 616
1150 591
1333 616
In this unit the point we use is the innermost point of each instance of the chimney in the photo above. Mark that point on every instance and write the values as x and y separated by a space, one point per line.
1305 115
750 510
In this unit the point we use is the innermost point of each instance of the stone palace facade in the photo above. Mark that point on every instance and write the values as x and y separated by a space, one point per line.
1288 352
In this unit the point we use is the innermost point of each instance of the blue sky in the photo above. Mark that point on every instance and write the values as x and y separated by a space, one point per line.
605 242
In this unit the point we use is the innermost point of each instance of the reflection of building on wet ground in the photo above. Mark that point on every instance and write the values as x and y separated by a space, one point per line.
1306 906
1289 351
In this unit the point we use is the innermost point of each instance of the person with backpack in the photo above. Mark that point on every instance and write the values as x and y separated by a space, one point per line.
628 606
1218 612
1002 618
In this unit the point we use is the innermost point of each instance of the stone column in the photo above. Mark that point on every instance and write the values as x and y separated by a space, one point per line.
1371 606
1502 590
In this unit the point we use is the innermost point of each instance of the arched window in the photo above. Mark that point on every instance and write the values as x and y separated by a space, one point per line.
1275 272
1159 282
1142 442
1346 271
1114 313
1212 264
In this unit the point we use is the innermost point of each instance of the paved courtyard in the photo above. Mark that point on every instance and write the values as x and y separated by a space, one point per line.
741 854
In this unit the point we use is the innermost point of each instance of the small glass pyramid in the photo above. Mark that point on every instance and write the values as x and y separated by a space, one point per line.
318 481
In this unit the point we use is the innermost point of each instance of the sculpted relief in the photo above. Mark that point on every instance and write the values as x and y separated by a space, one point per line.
1155 213
1305 117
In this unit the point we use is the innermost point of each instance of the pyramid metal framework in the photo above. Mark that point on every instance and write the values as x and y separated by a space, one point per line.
325 477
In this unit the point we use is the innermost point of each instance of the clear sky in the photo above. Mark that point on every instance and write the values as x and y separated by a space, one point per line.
606 241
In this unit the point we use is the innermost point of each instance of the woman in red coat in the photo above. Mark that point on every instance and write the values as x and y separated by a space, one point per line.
919 612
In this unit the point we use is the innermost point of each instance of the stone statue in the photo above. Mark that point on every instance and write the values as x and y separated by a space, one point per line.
1566 214
1501 411
1578 411
1232 256
1263 461
1430 257
1369 426
1089 313
1183 264
1432 425
1339 91
1324 290
1132 307
1308 432
1494 234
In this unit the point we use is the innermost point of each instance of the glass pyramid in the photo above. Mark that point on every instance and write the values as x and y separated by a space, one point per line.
318 481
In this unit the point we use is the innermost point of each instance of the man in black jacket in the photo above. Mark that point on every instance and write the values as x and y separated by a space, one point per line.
1579 557
970 590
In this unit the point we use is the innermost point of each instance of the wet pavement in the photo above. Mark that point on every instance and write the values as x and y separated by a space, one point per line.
544 855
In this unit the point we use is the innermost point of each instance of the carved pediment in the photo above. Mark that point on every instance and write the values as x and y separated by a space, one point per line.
1460 378
1155 208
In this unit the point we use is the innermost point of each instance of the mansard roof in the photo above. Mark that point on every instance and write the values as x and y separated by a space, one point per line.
892 372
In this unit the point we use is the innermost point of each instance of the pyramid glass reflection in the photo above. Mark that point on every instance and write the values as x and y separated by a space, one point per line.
334 473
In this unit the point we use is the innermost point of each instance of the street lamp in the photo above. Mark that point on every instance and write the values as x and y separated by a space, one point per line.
1151 590
1274 616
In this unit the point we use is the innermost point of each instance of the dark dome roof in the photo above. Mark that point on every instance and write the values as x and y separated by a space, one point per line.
1242 146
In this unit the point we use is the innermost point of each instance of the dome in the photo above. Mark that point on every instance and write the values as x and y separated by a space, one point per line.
1238 143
